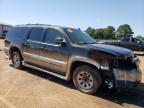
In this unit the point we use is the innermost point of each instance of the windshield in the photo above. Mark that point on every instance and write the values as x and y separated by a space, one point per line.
77 36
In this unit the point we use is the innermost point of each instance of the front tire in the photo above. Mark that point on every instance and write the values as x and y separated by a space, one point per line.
87 79
17 60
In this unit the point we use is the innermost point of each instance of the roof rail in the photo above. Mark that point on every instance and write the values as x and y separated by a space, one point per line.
39 25
33 25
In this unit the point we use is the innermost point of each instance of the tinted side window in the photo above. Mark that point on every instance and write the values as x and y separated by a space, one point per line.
51 35
35 34
125 39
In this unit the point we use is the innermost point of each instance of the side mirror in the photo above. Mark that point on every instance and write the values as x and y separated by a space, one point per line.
60 40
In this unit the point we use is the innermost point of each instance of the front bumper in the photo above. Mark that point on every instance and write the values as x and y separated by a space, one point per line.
128 78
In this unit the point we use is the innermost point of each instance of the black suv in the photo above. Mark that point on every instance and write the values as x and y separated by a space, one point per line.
130 43
70 53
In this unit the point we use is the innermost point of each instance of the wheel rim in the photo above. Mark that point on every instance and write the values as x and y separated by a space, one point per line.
85 80
16 60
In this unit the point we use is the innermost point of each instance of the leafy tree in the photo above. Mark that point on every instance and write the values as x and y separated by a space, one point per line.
123 31
109 32
99 34
90 31
140 37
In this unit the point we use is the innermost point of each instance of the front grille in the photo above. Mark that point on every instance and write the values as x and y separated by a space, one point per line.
123 64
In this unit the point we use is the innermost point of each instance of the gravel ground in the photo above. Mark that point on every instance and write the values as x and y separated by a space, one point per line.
29 88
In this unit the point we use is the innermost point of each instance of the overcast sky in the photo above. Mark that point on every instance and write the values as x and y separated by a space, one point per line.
75 13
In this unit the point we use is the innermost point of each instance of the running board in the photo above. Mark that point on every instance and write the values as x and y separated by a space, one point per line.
43 70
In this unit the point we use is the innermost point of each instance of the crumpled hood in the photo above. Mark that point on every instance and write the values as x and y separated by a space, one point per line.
115 50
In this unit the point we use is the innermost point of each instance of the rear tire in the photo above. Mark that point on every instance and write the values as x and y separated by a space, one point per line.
17 60
87 79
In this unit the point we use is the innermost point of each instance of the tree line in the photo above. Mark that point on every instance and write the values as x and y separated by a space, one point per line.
111 33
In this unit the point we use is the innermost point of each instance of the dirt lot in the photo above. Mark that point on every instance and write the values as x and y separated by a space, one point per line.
142 65
29 88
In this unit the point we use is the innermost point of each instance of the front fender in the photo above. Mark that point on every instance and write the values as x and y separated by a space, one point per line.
80 59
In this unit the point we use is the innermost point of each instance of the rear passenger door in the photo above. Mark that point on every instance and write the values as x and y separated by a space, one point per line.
54 56
31 49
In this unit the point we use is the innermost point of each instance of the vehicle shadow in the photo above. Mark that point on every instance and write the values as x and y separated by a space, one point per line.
123 98
49 77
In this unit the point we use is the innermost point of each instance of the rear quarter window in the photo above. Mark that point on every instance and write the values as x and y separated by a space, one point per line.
17 33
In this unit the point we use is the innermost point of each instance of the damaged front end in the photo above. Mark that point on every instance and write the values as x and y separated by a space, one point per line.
126 71
119 67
